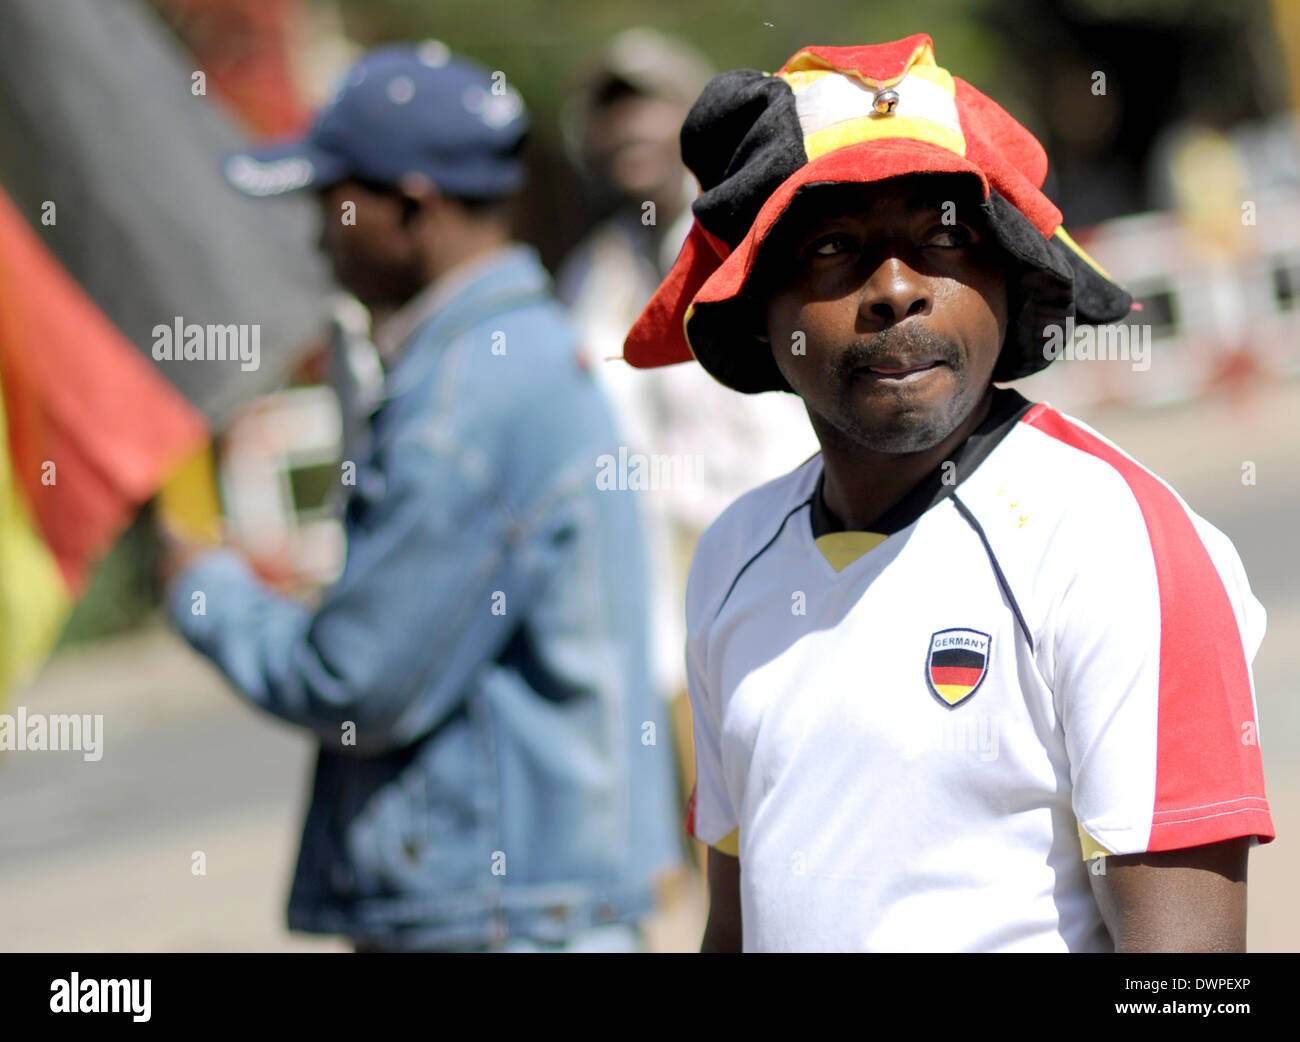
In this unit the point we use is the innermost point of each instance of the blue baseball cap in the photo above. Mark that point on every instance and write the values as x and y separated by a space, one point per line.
401 109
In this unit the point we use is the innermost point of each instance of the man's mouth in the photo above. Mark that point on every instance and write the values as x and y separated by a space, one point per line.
897 369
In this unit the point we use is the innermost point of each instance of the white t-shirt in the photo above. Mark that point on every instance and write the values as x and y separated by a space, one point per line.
914 741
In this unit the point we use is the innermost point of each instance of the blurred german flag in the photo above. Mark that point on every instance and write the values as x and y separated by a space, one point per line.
89 431
114 221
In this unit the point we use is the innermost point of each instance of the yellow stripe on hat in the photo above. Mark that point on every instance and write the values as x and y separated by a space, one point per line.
868 128
805 78
686 329
836 109
799 79
1064 236
940 77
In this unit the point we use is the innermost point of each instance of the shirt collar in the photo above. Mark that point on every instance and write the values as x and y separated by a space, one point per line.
458 296
396 330
1005 412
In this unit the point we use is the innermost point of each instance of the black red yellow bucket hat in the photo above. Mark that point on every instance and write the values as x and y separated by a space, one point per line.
835 115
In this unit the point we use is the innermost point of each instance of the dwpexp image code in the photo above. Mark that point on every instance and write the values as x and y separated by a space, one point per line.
1186 996
1184 984
612 478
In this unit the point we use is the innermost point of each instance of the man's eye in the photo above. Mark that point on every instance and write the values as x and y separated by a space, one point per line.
831 245
949 236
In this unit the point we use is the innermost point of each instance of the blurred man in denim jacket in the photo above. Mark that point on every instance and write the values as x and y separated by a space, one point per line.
494 769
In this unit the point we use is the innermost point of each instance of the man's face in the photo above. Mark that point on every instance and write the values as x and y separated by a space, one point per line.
902 303
632 141
374 253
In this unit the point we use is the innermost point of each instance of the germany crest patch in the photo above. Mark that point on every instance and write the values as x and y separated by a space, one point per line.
958 662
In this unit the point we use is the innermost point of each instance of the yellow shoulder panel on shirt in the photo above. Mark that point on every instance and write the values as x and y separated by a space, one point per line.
729 844
841 549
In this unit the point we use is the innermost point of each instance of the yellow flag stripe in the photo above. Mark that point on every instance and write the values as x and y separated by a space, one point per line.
34 602
188 500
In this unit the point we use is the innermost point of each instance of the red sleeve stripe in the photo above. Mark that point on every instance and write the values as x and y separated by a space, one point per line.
1209 779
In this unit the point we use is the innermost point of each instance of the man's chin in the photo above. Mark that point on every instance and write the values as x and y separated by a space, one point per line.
901 427
903 438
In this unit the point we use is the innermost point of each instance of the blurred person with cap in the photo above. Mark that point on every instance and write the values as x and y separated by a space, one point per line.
621 128
488 777
971 678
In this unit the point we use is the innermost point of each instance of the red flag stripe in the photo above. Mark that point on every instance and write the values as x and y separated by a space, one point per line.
956 675
93 428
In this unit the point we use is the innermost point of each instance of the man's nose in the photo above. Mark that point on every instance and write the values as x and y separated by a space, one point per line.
892 292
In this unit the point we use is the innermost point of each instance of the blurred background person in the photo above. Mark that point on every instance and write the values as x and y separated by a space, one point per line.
621 128
477 676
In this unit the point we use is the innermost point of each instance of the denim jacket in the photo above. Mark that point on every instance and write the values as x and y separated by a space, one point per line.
493 760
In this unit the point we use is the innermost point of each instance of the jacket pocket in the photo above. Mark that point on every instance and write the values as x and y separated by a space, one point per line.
430 825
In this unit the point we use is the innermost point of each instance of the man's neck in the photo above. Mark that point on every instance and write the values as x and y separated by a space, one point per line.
860 485
392 324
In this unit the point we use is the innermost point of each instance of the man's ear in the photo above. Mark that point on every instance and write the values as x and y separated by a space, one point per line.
417 193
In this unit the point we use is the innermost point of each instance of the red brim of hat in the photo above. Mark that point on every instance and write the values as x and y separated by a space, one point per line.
706 273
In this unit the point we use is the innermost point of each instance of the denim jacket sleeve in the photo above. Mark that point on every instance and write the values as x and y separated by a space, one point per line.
426 598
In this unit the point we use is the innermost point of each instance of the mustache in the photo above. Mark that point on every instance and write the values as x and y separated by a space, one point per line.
905 342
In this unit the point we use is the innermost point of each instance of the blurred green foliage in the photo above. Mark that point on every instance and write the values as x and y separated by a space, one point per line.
541 44
121 595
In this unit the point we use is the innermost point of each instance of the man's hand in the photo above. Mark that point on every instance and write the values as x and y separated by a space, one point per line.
1191 900
178 551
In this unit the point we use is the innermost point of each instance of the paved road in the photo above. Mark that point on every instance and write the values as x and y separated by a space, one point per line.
97 856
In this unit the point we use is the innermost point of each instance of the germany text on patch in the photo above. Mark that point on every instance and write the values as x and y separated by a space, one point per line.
958 661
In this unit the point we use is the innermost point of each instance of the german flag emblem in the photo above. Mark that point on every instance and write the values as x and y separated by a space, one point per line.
959 658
